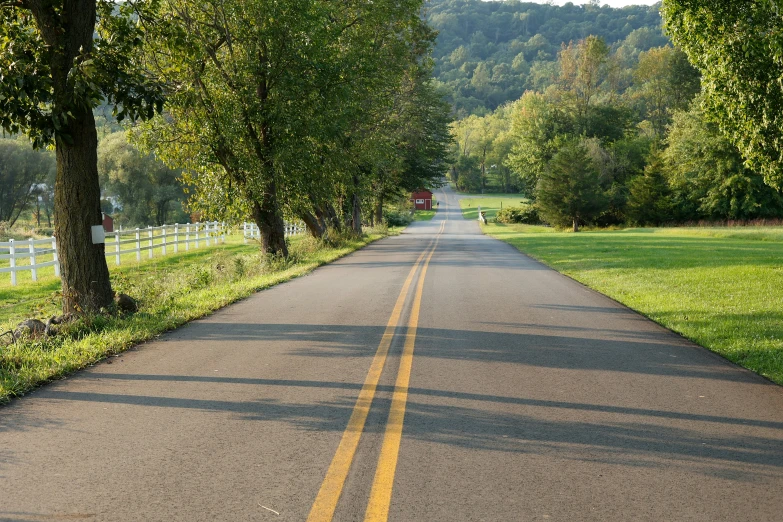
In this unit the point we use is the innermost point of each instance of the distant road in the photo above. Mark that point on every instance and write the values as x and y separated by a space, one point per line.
435 376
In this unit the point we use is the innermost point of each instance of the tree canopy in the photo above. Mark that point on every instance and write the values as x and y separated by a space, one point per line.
739 51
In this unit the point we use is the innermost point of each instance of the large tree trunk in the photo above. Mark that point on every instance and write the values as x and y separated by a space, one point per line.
77 206
267 216
356 208
312 223
576 224
328 215
379 209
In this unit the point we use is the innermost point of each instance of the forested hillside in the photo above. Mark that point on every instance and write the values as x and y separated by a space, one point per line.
592 113
489 53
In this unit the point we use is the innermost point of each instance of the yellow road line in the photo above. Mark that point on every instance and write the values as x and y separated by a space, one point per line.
332 486
380 496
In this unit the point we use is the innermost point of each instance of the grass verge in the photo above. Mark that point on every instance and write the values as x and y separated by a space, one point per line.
489 204
171 291
423 215
719 287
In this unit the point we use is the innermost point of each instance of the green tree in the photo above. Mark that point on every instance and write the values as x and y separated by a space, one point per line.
738 49
536 121
708 176
569 190
649 199
149 192
56 65
278 100
665 82
23 171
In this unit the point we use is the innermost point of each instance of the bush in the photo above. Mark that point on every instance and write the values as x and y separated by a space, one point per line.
395 218
523 214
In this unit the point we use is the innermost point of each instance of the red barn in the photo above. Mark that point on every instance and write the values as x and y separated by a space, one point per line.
422 200
108 222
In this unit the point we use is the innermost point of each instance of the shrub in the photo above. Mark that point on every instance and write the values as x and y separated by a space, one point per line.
523 214
395 218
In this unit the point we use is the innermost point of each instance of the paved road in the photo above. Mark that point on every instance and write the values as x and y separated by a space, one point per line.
435 376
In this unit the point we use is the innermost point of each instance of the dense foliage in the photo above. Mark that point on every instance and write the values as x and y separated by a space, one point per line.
737 46
298 109
26 177
631 105
490 53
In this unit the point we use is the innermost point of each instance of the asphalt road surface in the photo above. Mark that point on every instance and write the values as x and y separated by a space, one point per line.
435 376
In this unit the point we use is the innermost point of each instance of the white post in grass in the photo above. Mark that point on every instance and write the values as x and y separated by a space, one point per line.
187 236
55 257
117 248
138 245
176 238
163 232
149 237
12 251
197 224
206 232
244 231
31 247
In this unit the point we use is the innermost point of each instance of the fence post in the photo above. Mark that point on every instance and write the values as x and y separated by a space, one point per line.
56 257
206 232
12 250
31 244
197 224
117 248
149 238
163 232
187 237
223 232
138 245
176 238
244 231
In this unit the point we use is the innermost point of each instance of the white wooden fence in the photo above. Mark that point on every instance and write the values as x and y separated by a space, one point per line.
32 249
165 239
250 230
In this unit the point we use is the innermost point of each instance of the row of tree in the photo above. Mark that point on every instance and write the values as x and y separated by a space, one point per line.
310 109
141 190
591 152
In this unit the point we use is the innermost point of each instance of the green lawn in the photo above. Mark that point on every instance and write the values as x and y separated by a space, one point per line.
423 215
720 287
490 204
171 290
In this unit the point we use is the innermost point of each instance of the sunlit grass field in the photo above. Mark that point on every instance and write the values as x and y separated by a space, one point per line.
489 204
720 287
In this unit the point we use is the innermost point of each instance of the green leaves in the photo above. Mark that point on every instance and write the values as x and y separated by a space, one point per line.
39 100
738 48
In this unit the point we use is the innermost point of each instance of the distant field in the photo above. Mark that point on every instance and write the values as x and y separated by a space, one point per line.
490 204
720 287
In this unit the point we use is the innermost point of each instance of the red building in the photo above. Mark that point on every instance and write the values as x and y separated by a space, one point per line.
108 222
422 200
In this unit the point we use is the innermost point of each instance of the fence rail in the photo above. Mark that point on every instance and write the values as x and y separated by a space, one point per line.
43 252
29 249
250 230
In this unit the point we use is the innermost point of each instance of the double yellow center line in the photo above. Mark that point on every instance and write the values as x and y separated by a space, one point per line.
380 495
